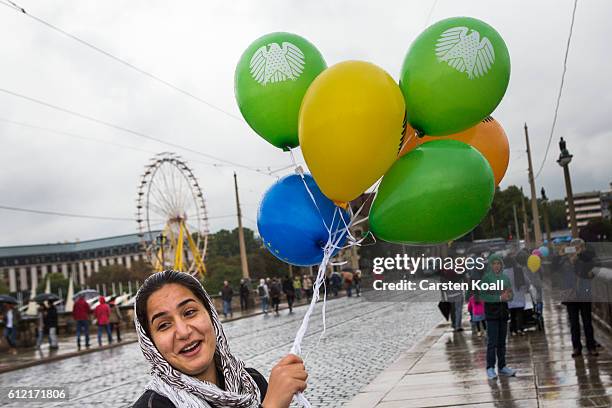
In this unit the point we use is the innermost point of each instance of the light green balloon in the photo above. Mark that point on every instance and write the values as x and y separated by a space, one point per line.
271 79
454 75
436 193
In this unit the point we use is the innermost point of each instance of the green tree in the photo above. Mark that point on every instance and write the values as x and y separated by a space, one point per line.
226 243
57 281
557 215
138 271
4 289
499 221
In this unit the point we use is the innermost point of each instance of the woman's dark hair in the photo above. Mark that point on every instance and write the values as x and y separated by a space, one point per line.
158 280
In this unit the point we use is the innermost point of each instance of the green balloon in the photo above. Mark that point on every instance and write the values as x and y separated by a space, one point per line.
454 75
271 79
436 193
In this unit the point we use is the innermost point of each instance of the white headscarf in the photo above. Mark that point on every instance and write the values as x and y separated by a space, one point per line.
241 391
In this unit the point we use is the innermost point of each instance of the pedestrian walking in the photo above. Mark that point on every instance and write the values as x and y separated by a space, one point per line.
289 292
515 269
454 297
244 295
496 315
577 273
40 325
476 309
226 296
181 337
357 281
115 319
80 314
335 280
102 313
10 327
348 283
264 295
297 285
275 293
308 287
51 324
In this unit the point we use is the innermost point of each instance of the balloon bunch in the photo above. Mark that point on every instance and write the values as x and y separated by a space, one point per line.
430 137
534 262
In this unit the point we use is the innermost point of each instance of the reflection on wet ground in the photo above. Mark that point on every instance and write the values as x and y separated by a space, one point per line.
448 369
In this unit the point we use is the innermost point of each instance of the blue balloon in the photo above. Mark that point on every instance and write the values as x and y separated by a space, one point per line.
544 251
291 225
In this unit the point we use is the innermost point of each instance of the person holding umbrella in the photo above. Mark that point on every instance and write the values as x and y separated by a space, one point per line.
51 323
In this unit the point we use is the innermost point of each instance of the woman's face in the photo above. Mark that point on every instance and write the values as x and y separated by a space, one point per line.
497 266
182 330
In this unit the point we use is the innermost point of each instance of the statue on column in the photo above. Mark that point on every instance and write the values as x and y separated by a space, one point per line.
563 148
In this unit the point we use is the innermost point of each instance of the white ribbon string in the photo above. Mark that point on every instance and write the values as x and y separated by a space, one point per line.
334 239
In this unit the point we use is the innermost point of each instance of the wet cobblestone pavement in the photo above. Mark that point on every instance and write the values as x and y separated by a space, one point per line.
447 369
361 339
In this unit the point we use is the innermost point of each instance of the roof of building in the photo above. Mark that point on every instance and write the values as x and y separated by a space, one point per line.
588 194
71 247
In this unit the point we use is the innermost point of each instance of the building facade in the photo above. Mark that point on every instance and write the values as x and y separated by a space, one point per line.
23 267
589 206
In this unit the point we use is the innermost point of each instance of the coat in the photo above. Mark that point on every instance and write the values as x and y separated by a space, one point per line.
115 315
227 293
495 308
519 292
102 312
81 309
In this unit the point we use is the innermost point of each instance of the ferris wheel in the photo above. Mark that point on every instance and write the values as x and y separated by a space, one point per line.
171 215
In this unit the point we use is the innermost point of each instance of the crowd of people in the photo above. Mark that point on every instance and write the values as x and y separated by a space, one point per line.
272 291
106 316
517 301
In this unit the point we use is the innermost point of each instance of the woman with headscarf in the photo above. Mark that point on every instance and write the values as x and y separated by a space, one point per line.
496 292
181 336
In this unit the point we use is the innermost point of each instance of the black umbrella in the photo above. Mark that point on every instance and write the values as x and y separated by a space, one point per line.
445 308
45 296
8 299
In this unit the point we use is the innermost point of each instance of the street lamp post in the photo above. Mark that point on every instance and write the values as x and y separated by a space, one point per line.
161 240
564 160
545 211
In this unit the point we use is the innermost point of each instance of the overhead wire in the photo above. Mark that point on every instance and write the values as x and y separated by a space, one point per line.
118 145
86 216
150 75
130 131
554 123
13 5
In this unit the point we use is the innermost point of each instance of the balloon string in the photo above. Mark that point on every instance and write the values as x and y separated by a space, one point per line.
300 171
336 233
328 251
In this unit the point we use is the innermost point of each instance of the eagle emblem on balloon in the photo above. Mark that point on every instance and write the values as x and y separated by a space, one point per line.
462 49
277 63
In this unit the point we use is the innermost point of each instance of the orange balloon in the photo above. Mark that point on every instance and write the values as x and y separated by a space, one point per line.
488 137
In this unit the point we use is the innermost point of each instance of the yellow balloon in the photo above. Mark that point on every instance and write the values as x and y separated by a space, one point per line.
533 263
351 127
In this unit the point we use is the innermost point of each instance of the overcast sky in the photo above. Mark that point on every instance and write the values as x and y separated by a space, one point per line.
196 45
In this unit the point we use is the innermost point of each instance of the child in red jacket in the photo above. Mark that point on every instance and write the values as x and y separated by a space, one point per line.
477 312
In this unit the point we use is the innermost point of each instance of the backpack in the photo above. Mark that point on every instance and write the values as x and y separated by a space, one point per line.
261 291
